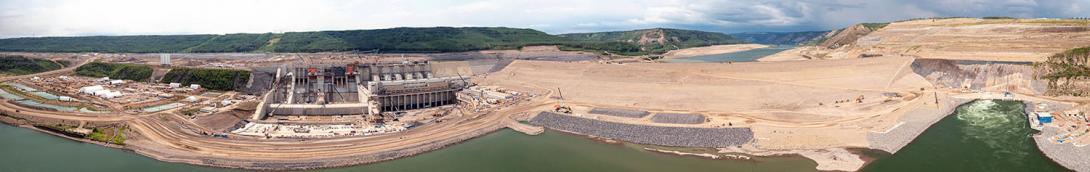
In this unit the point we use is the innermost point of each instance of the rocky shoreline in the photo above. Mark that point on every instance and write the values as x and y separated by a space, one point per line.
149 150
318 163
652 135
913 123
1067 155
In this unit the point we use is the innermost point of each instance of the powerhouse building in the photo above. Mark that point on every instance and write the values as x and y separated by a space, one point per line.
362 88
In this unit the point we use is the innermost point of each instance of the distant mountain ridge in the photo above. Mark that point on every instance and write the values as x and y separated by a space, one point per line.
781 38
657 39
403 39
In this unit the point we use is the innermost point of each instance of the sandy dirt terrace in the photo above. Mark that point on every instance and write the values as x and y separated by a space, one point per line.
790 105
961 39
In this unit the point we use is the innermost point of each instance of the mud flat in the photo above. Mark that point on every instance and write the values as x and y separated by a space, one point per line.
831 159
653 135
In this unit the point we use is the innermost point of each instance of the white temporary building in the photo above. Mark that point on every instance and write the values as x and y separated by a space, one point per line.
194 86
100 91
175 85
91 89
191 99
116 82
110 94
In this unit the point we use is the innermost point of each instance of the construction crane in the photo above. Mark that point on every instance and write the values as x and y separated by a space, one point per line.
560 106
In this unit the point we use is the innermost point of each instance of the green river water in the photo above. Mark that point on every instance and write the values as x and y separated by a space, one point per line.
983 136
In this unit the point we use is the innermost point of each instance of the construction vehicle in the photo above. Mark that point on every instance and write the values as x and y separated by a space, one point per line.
560 108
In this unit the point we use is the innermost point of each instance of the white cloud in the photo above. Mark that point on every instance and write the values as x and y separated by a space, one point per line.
20 18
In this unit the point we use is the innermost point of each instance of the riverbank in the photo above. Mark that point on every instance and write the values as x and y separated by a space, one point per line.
150 151
913 123
1066 154
710 50
1070 156
154 151
982 135
642 134
139 144
503 150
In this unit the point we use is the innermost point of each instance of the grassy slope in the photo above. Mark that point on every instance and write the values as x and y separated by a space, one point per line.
134 72
19 65
215 79
232 43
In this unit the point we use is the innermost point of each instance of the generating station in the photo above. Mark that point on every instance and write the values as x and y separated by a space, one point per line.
362 88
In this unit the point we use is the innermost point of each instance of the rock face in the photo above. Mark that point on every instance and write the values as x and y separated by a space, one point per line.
1016 77
1068 73
846 36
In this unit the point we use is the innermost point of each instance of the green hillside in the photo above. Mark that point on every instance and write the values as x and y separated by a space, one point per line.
232 43
214 79
112 44
657 40
431 39
136 72
781 38
19 65
438 39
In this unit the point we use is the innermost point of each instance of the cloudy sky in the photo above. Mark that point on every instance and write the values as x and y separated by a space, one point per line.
32 18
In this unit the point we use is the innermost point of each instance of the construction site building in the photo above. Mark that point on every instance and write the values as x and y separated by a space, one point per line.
362 88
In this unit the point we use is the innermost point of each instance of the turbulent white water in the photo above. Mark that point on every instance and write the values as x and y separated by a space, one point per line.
1000 127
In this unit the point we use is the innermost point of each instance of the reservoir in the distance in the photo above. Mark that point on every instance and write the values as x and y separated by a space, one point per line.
741 56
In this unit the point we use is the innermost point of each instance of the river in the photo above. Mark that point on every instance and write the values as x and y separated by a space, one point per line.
505 150
984 135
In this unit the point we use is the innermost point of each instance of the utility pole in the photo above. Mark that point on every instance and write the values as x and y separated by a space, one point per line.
561 96
936 98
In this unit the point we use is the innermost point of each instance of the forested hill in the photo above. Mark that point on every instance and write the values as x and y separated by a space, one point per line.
437 39
657 40
781 38
431 39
